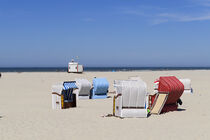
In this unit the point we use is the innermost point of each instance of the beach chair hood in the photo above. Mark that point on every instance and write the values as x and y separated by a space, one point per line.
133 93
100 85
83 87
172 86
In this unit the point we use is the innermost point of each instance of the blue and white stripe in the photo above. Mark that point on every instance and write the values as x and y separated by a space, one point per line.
68 85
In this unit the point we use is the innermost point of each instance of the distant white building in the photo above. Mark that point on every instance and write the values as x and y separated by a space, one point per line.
74 67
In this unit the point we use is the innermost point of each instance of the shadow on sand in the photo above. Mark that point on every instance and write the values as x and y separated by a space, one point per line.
181 109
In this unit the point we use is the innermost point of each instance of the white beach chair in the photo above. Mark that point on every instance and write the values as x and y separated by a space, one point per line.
130 99
187 85
83 91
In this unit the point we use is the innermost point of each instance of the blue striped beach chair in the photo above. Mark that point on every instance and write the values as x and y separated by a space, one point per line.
68 96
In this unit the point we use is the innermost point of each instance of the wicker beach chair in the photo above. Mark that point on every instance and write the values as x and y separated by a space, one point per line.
131 98
187 85
63 96
170 89
100 88
83 91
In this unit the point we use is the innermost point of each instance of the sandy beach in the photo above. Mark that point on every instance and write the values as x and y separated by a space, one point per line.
26 110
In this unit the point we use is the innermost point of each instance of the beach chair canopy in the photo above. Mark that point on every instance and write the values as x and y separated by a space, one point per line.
133 92
69 84
137 78
171 86
100 85
68 88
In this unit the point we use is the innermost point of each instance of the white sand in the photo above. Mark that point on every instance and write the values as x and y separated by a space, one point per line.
26 114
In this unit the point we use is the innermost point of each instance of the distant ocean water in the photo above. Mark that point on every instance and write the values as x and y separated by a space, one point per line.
89 69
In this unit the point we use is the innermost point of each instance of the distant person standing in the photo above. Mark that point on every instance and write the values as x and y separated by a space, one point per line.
0 75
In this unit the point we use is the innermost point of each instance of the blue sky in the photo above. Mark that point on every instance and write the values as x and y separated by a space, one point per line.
37 33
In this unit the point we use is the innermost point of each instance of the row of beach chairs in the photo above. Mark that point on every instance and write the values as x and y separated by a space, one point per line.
65 94
131 97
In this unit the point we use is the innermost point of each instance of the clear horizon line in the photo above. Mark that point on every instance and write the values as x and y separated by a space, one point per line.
113 67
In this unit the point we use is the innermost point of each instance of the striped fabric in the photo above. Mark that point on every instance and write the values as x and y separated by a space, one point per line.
68 88
69 84
172 86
